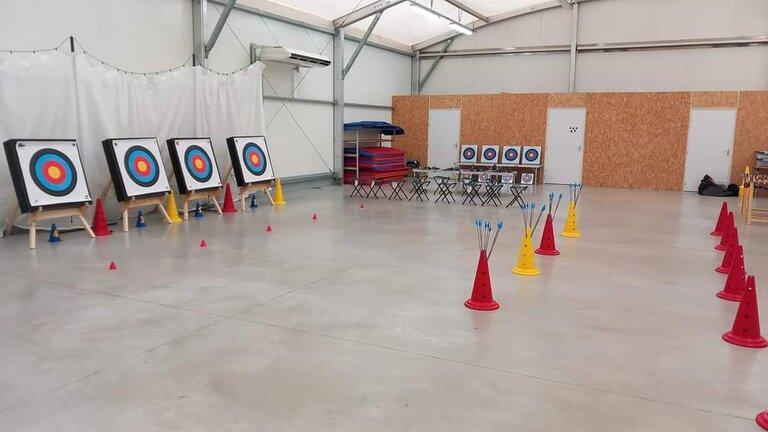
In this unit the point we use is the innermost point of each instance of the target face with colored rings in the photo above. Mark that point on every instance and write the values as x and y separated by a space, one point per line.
531 155
141 166
254 159
53 172
469 153
198 163
489 153
511 154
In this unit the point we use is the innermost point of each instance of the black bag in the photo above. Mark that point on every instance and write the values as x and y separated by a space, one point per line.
708 187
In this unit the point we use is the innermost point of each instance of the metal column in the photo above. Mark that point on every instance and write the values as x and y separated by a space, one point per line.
338 108
574 46
199 13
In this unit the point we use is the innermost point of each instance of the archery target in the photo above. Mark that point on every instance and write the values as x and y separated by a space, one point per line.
510 155
194 164
46 173
490 154
136 166
526 178
531 155
468 153
250 159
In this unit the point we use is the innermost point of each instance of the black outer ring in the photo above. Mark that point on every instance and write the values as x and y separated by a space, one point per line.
129 169
190 169
33 161
245 159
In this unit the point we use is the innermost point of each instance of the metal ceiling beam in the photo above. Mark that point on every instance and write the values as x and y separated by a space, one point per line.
219 26
566 4
469 10
361 44
574 47
434 64
365 11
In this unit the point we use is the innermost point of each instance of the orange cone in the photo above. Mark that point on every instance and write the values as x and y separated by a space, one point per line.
269 228
746 326
203 244
99 224
547 244
112 266
726 237
721 220
725 264
734 285
762 420
229 203
482 293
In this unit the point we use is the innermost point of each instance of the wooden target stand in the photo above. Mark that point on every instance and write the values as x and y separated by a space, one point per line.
250 188
209 195
143 202
752 213
42 214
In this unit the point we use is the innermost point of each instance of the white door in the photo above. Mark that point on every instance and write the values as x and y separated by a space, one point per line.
565 145
444 130
710 144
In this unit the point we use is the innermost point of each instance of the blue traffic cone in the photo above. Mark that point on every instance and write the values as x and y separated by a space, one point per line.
54 236
253 201
140 220
198 211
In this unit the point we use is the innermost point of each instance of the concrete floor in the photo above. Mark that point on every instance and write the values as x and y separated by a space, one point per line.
355 322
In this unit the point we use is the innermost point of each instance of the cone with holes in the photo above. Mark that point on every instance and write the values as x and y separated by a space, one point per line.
730 253
173 211
547 244
746 326
482 293
721 220
762 420
734 285
725 239
99 224
229 203
571 227
526 262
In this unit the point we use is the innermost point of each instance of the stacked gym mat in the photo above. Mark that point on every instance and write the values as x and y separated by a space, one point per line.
376 163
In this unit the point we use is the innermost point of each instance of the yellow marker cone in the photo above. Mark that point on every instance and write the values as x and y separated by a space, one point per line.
571 230
279 199
741 186
526 263
173 212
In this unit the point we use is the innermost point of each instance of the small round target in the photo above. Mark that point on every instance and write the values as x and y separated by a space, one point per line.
511 154
141 166
254 159
53 172
489 153
469 153
531 155
198 163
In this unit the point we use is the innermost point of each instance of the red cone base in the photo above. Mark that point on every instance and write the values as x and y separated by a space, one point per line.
762 420
721 220
99 224
734 285
112 266
727 233
229 204
547 245
482 294
203 244
269 228
746 326
725 264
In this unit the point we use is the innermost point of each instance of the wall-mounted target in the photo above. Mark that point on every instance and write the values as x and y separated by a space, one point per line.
194 164
532 155
136 167
468 153
510 155
490 154
250 159
46 173
526 178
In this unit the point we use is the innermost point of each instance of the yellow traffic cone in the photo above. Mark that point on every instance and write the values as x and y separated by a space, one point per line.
741 186
526 263
173 212
571 230
279 199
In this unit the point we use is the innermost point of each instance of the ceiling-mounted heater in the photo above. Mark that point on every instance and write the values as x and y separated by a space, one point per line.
289 56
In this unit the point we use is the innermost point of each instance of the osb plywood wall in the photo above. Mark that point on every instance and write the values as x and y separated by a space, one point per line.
634 140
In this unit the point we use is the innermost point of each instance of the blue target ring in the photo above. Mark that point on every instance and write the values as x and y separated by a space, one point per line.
141 166
53 172
490 153
469 153
531 155
511 155
254 159
198 163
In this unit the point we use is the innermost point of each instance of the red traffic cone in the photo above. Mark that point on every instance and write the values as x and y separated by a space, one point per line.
734 285
721 220
112 266
362 206
746 326
482 294
314 216
99 224
725 265
726 237
229 204
762 420
203 244
269 228
547 244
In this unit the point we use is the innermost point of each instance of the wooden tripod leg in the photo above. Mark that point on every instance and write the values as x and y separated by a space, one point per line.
125 218
242 201
212 196
32 233
165 213
185 208
272 201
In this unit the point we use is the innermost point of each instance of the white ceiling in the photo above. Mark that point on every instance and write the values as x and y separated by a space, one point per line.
402 24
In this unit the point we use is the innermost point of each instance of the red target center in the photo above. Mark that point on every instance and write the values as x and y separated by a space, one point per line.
198 163
141 165
54 172
254 158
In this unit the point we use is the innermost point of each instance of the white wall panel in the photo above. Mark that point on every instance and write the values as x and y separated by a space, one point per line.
353 114
376 75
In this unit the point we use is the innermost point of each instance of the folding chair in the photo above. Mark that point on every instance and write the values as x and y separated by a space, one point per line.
444 186
419 189
397 190
517 195
492 190
357 189
472 189
508 180
374 190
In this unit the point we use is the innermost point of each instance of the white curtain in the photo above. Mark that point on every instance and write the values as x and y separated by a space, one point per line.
62 95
